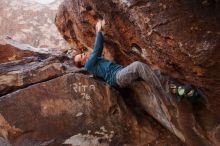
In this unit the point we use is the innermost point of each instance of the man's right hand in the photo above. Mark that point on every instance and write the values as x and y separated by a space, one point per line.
99 25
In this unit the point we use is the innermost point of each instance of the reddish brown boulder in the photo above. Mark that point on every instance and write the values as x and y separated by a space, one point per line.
180 37
11 50
75 109
193 123
32 70
40 105
22 65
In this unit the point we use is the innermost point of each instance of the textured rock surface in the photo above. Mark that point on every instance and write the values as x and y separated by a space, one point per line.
192 123
180 37
41 104
22 65
75 109
11 50
19 74
30 22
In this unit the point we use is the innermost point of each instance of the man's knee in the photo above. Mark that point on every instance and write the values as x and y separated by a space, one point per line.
138 64
141 67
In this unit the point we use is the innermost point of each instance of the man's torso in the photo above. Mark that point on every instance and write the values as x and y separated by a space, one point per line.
105 69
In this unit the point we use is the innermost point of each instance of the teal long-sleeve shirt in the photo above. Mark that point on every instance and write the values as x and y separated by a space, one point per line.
100 66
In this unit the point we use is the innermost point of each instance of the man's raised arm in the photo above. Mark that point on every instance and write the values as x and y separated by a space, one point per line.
97 51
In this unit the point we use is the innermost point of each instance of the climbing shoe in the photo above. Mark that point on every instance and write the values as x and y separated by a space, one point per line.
186 91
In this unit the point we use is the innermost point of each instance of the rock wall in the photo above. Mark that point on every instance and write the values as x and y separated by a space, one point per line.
179 37
22 65
30 22
43 101
75 109
10 53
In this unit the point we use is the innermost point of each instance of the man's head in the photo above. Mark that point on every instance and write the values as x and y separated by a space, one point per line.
80 59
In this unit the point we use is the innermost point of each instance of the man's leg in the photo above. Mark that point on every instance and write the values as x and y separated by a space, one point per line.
125 76
134 71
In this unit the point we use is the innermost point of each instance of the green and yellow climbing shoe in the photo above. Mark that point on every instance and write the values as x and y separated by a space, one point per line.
183 91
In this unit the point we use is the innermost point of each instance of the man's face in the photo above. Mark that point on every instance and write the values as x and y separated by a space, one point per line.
81 58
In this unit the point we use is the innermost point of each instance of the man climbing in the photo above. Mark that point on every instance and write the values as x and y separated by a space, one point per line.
117 75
